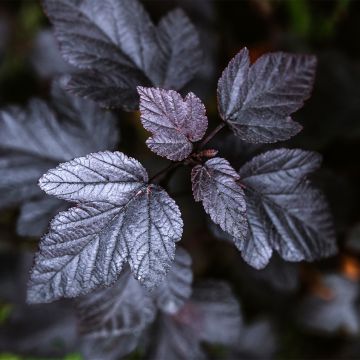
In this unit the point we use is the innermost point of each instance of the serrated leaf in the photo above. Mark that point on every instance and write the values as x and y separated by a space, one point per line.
257 101
108 90
113 319
215 184
174 122
333 307
98 177
117 47
120 30
284 212
38 137
120 218
175 290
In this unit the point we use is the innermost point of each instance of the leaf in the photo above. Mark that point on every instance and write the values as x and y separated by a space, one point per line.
175 341
284 212
181 56
219 317
117 47
113 319
174 122
120 30
211 315
175 290
333 308
38 137
98 177
43 327
45 56
280 275
260 332
35 215
119 218
107 89
215 184
257 101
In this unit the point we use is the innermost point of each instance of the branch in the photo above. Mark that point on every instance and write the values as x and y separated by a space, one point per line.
212 134
162 173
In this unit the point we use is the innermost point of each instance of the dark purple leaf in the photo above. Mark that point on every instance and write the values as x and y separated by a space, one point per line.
174 122
45 56
176 289
257 101
38 137
212 315
215 184
113 319
284 212
117 47
180 55
119 219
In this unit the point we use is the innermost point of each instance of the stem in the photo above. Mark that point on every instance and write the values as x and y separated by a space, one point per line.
164 171
211 135
174 165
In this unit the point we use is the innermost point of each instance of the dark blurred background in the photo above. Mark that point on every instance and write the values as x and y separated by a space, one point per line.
289 297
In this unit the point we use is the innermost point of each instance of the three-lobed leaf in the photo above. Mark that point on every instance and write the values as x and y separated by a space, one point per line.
257 101
174 122
120 218
215 184
285 213
117 47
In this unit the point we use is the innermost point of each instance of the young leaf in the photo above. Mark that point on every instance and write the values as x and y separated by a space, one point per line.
113 319
215 184
257 101
37 138
119 218
333 308
174 122
173 292
284 212
117 47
